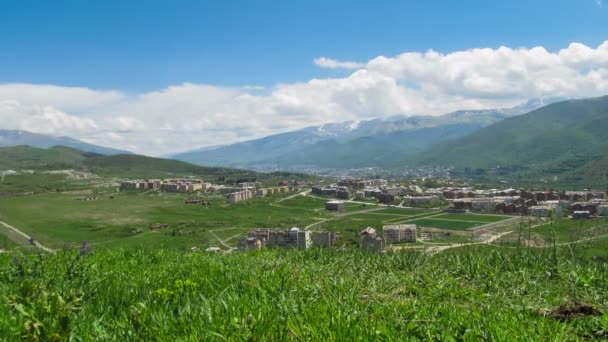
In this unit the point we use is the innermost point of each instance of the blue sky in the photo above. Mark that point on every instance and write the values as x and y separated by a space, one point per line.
144 45
156 77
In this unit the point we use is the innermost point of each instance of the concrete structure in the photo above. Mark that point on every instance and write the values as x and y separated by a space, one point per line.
292 238
370 241
323 239
236 197
420 201
249 244
360 195
399 233
261 192
386 199
335 205
582 214
544 210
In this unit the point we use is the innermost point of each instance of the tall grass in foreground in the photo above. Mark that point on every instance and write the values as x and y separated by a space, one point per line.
471 294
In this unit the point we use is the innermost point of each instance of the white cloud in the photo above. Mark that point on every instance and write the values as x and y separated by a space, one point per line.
329 63
187 116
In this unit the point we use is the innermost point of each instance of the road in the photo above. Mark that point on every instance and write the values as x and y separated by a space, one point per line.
27 237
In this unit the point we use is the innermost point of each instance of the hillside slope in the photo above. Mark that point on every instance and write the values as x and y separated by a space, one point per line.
549 134
123 165
568 139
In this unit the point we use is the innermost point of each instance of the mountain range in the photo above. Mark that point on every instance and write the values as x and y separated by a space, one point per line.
384 142
20 137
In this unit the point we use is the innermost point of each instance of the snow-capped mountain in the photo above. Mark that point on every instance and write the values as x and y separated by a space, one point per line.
377 142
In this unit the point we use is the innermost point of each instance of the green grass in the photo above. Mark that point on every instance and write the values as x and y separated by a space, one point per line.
409 212
360 206
443 224
474 217
125 220
466 294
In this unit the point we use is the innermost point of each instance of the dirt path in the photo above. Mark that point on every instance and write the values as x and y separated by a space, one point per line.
223 242
303 193
489 240
27 237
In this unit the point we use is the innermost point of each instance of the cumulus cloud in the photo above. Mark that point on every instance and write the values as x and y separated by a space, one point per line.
329 63
188 116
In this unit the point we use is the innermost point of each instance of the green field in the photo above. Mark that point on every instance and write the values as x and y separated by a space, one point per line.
59 219
405 212
474 217
444 224
477 293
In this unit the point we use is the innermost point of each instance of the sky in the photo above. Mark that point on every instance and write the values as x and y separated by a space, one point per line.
157 77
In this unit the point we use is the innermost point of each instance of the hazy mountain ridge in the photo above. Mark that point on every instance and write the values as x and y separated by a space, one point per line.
21 137
376 142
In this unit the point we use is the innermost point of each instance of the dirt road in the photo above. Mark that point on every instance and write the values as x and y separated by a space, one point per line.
27 237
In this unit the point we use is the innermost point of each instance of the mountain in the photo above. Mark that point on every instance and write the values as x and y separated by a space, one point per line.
122 165
378 142
18 138
565 140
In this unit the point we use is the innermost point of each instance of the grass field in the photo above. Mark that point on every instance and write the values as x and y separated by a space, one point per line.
474 217
477 293
404 212
125 220
444 224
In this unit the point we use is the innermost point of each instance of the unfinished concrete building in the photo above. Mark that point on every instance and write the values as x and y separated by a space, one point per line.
370 241
292 238
236 197
397 233
323 239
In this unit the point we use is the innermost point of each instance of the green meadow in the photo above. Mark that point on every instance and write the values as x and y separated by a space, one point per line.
475 293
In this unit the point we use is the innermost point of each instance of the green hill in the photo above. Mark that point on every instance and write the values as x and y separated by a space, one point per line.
26 157
562 139
122 165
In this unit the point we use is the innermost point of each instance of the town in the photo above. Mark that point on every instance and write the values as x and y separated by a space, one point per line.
375 194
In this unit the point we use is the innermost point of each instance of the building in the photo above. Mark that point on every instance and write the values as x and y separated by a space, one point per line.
386 199
292 238
399 233
602 210
370 241
581 214
544 210
323 239
236 197
420 201
360 195
335 205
